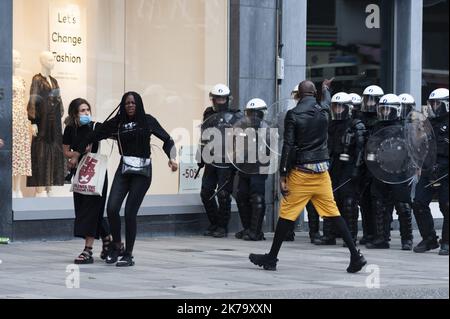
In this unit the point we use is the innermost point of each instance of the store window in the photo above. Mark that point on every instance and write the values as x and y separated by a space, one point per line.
435 47
344 41
171 52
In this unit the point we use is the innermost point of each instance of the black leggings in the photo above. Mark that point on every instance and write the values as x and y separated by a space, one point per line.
136 187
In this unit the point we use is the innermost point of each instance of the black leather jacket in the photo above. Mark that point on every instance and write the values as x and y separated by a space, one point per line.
306 133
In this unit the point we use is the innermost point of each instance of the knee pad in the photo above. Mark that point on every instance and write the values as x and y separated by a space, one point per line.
224 196
403 208
258 201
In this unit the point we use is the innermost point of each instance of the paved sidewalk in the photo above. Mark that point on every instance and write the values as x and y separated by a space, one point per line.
202 268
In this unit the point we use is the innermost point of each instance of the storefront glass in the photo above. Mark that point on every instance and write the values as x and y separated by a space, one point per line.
344 42
435 47
171 52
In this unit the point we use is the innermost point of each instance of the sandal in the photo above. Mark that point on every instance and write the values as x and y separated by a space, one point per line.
106 243
85 257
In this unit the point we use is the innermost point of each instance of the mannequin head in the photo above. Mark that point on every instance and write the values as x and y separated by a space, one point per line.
47 60
17 59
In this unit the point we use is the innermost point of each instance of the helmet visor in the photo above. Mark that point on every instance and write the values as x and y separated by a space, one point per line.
436 108
406 109
340 111
388 112
370 103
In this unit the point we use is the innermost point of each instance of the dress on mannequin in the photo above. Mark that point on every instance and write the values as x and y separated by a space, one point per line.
21 147
45 110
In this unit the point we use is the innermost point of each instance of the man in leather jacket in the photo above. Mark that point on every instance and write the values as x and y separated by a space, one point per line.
304 174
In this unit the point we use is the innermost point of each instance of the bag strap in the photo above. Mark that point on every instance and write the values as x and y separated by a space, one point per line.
99 149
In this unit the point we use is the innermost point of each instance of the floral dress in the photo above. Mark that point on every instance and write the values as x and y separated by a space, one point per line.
21 149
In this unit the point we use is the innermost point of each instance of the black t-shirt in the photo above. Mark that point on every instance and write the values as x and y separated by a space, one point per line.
134 140
74 136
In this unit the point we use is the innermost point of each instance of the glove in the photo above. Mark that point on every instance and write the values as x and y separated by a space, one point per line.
200 165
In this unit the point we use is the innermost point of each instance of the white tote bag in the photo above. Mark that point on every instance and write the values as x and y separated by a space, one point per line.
90 176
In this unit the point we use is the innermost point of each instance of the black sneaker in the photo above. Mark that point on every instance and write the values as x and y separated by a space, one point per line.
356 263
426 245
220 232
210 231
444 250
241 234
407 245
265 261
125 261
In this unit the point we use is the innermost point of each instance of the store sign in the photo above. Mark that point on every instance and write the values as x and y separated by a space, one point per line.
67 35
188 171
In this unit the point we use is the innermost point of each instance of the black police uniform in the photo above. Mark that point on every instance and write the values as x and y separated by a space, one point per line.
346 143
384 198
365 201
215 176
424 194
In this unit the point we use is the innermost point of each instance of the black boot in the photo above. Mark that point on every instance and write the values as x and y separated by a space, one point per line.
444 250
357 263
382 221
211 211
224 198
444 241
315 238
405 221
368 218
258 211
245 214
427 244
425 223
329 237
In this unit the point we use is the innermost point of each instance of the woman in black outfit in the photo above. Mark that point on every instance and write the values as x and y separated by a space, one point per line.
89 221
133 128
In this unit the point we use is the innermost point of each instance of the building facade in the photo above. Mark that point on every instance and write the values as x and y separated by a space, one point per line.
172 52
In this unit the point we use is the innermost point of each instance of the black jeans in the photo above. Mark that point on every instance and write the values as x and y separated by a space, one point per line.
136 187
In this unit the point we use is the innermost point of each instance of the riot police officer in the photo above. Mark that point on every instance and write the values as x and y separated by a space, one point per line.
218 173
356 102
346 140
437 111
385 195
368 115
407 105
251 198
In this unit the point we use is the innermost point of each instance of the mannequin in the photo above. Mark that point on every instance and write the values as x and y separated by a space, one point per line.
45 110
21 149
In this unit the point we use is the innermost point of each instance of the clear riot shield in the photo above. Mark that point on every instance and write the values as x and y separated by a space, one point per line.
387 156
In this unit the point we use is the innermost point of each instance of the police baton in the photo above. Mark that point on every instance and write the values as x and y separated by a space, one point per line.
220 189
198 172
438 180
339 187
